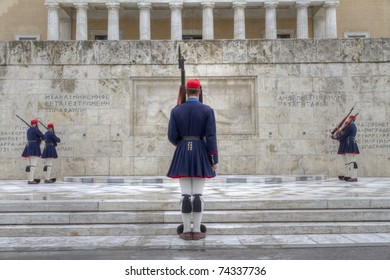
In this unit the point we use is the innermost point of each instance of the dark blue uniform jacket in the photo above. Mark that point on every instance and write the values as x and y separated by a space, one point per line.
34 138
192 130
347 140
50 145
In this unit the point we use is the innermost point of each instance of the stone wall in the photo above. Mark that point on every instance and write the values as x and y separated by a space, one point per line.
275 100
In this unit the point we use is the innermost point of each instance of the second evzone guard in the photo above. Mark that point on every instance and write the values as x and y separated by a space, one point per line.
49 152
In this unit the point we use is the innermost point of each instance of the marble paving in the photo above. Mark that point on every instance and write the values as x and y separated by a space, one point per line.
11 244
222 187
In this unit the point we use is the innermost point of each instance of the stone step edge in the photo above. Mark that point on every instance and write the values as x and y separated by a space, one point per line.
161 180
173 242
99 205
212 228
155 217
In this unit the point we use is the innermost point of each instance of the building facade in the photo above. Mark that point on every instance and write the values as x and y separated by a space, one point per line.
276 102
106 74
192 19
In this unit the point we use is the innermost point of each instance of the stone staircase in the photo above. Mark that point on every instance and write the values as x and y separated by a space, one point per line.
131 217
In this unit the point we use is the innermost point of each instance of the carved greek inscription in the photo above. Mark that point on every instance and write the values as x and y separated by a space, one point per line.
309 99
72 103
374 136
13 140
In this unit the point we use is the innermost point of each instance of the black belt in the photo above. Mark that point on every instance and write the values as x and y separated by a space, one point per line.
192 138
49 143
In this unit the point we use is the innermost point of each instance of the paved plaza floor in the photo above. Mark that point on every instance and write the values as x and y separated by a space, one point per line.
221 187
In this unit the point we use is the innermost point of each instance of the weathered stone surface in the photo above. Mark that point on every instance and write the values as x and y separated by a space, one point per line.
3 52
283 51
329 50
386 49
235 51
202 52
163 52
275 102
114 52
18 52
260 51
75 52
372 50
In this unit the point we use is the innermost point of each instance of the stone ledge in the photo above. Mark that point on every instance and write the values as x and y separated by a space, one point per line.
226 179
247 231
164 52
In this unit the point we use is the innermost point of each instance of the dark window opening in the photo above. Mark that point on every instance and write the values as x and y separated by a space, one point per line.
283 36
100 37
27 39
192 37
357 36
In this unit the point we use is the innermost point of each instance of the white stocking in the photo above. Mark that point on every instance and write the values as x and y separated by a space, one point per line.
48 163
32 161
351 159
197 186
191 186
185 185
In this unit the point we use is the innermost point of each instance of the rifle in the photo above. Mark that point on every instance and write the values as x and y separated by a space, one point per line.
55 144
181 98
39 142
24 121
201 95
42 123
342 121
345 125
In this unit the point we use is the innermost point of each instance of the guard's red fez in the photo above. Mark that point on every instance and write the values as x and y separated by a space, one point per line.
50 125
351 117
34 121
193 84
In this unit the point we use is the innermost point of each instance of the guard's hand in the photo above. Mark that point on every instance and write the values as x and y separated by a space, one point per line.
214 167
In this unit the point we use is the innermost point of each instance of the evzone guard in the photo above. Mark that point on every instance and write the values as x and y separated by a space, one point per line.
32 151
192 129
348 147
49 152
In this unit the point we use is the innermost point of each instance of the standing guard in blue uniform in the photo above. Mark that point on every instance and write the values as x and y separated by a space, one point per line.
32 151
348 148
49 152
192 130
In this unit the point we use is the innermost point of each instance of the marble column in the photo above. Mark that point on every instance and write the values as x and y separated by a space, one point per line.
319 24
176 20
81 21
208 20
144 20
65 29
302 19
239 19
270 19
113 21
53 21
330 19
